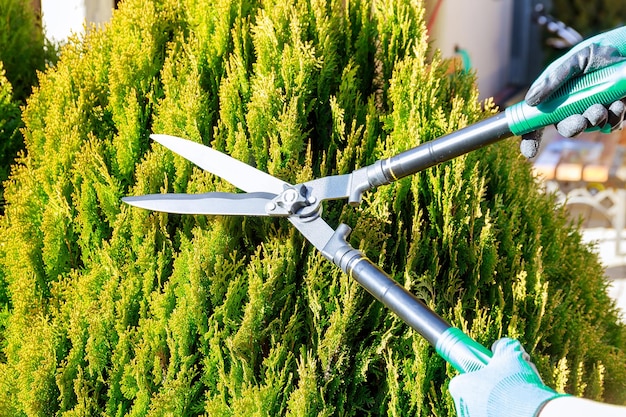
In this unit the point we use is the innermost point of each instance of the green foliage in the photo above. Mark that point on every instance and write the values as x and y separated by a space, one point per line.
121 311
23 48
23 52
590 17
10 123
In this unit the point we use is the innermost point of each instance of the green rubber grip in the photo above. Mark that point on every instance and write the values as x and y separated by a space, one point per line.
461 351
603 86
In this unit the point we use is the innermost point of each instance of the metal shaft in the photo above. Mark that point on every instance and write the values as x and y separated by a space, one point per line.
410 309
464 353
447 147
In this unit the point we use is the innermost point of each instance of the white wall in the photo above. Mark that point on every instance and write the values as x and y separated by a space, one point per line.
483 29
99 11
64 17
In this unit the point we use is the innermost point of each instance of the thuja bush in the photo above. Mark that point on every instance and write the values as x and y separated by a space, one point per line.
121 311
24 49
10 123
23 52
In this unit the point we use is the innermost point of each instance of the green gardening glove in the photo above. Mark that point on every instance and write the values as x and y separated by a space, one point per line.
508 386
588 56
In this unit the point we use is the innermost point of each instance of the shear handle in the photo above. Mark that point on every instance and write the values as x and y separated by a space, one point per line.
428 154
452 344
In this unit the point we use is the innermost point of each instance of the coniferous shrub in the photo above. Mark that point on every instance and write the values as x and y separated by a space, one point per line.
121 311
23 51
10 123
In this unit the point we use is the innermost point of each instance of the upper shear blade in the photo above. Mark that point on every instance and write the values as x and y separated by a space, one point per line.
238 173
226 204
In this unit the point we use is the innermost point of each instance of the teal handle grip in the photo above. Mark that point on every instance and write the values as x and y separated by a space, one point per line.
461 351
603 86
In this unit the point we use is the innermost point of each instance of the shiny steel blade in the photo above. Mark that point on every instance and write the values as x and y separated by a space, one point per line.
241 175
226 204
316 231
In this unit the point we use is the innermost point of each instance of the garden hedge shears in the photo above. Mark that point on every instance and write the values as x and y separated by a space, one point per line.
301 204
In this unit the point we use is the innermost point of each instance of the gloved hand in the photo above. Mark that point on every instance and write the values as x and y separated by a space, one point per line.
590 55
508 386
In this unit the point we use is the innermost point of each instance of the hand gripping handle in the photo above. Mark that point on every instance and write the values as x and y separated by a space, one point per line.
603 86
452 344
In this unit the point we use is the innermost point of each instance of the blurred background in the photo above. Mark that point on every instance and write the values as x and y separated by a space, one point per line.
506 43
61 18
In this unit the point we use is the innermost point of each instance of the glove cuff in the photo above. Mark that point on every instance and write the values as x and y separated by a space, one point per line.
615 38
520 399
546 401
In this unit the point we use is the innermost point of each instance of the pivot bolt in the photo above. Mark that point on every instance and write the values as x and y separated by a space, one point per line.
290 195
292 199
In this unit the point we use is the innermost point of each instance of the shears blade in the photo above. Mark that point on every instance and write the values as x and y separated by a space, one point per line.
262 197
240 174
316 231
216 203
